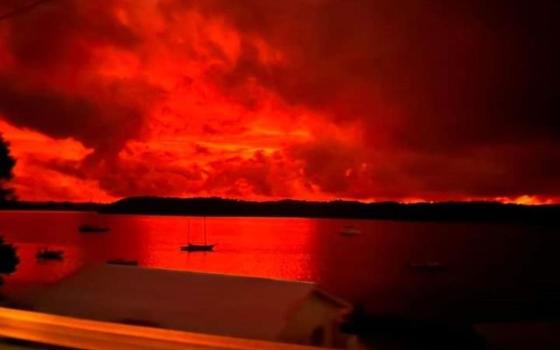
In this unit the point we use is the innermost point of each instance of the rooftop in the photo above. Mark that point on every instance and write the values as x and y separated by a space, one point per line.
238 306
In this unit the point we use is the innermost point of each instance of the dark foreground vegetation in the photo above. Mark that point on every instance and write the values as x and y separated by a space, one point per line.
8 259
394 332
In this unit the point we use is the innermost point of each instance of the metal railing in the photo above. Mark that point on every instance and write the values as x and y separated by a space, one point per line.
86 334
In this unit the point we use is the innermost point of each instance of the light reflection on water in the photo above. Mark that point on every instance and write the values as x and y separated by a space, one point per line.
252 246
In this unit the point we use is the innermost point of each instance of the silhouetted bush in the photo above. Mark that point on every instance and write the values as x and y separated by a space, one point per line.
8 259
7 163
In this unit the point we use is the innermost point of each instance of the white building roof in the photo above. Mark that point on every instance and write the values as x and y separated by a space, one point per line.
245 307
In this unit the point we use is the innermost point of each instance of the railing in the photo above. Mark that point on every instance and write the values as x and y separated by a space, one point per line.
85 334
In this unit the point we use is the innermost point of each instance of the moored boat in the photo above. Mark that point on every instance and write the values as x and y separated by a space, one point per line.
49 254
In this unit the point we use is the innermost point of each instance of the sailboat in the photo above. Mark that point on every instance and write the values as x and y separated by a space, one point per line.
49 254
92 228
197 247
349 230
87 228
427 266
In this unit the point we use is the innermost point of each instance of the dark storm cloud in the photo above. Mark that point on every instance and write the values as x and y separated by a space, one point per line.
50 87
62 32
462 71
454 99
441 81
103 117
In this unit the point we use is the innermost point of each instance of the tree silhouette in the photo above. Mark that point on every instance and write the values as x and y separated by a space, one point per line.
8 259
7 163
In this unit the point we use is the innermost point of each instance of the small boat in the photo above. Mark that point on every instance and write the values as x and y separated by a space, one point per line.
428 266
49 254
86 228
349 231
123 262
197 247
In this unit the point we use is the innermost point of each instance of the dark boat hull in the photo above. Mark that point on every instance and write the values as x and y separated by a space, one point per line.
123 262
198 248
429 267
90 229
50 255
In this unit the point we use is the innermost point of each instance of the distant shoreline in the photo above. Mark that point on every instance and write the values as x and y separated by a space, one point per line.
51 206
435 212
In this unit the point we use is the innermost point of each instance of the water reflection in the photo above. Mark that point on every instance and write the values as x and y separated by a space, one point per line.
253 246
482 260
30 270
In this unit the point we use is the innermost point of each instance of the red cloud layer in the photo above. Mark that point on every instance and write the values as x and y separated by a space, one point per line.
369 100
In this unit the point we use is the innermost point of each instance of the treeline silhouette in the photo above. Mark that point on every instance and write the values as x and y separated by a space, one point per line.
55 206
449 211
7 163
443 211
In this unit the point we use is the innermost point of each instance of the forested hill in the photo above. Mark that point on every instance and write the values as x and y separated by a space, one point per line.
449 211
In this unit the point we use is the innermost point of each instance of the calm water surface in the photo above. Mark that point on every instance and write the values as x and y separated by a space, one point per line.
492 269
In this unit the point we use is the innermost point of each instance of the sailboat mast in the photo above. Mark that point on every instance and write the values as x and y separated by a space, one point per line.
205 239
188 230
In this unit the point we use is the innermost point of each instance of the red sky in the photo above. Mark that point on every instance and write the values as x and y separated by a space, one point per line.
262 99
